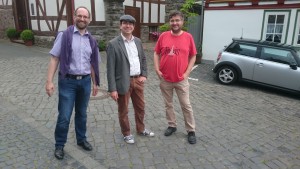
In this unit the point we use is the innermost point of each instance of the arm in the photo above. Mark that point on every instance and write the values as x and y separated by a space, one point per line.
52 67
156 60
144 69
95 87
190 66
110 66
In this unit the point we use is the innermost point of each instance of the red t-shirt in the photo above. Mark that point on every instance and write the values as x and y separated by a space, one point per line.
175 52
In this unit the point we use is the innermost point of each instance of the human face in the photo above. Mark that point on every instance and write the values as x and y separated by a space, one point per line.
176 23
127 27
82 19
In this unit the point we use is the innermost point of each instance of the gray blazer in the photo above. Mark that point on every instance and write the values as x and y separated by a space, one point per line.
118 67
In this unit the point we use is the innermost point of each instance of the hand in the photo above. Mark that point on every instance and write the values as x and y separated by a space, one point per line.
49 88
159 74
142 79
114 95
185 76
95 90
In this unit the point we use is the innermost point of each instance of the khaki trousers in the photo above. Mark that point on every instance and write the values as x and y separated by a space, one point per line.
136 93
182 91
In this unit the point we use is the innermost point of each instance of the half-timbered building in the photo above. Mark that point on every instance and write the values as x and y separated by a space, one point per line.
46 17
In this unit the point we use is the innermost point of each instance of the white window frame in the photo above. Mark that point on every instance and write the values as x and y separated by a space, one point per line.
297 30
285 23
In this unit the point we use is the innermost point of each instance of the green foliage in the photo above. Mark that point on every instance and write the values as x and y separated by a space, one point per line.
27 35
164 27
187 7
12 33
102 45
187 10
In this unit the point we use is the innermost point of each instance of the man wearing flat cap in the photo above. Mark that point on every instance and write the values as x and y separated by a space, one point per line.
126 75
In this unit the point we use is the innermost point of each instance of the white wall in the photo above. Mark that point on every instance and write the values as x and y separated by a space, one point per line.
221 26
4 2
100 10
128 3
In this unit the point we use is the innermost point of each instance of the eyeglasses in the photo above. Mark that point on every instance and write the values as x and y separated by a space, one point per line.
82 17
175 20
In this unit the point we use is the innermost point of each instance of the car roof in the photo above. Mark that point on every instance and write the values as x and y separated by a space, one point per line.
263 42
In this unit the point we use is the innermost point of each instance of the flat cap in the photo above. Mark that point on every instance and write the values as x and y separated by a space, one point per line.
127 18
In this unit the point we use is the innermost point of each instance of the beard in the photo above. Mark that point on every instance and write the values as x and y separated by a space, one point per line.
176 31
81 25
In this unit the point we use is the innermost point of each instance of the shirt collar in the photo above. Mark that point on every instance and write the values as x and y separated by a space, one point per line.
76 31
123 37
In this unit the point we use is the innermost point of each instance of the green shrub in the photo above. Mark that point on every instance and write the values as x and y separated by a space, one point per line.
165 27
12 33
102 45
27 35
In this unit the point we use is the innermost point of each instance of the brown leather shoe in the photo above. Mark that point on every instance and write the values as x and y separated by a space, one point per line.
85 145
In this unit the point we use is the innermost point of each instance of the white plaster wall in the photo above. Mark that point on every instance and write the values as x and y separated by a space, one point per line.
128 3
221 26
99 10
146 12
154 13
8 3
162 13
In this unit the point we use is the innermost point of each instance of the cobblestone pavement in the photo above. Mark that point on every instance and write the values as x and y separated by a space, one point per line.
241 126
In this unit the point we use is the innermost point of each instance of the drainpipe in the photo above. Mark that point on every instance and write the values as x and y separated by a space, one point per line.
202 3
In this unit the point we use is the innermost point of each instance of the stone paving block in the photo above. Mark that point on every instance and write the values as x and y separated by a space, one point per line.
237 126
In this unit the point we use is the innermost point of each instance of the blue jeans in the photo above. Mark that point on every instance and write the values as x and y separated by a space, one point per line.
72 91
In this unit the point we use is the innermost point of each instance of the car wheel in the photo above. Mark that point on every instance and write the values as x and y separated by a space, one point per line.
226 75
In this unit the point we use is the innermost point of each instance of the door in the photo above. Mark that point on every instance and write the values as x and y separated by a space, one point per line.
21 14
274 69
135 12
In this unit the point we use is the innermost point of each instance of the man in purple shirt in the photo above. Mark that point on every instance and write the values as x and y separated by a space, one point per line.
77 55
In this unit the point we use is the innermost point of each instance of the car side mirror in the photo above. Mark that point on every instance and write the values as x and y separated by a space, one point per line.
293 66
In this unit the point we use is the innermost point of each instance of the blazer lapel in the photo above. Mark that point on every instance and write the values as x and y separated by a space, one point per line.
123 48
137 44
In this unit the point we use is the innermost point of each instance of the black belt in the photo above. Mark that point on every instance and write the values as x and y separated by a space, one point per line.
77 77
136 76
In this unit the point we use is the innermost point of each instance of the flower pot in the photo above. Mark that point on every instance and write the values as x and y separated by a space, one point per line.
28 42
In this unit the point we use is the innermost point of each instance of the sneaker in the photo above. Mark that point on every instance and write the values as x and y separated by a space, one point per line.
192 137
147 133
129 139
170 131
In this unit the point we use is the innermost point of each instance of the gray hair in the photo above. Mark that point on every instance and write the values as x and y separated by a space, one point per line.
75 13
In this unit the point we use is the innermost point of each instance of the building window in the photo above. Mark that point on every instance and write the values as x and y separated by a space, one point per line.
275 26
297 37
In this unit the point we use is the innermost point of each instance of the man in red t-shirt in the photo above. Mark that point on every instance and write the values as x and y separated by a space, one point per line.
174 57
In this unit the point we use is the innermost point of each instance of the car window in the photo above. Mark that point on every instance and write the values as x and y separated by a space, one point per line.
243 49
277 55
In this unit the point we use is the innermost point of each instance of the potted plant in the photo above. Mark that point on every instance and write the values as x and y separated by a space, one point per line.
12 34
27 36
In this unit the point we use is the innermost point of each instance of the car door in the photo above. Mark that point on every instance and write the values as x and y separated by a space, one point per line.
274 68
